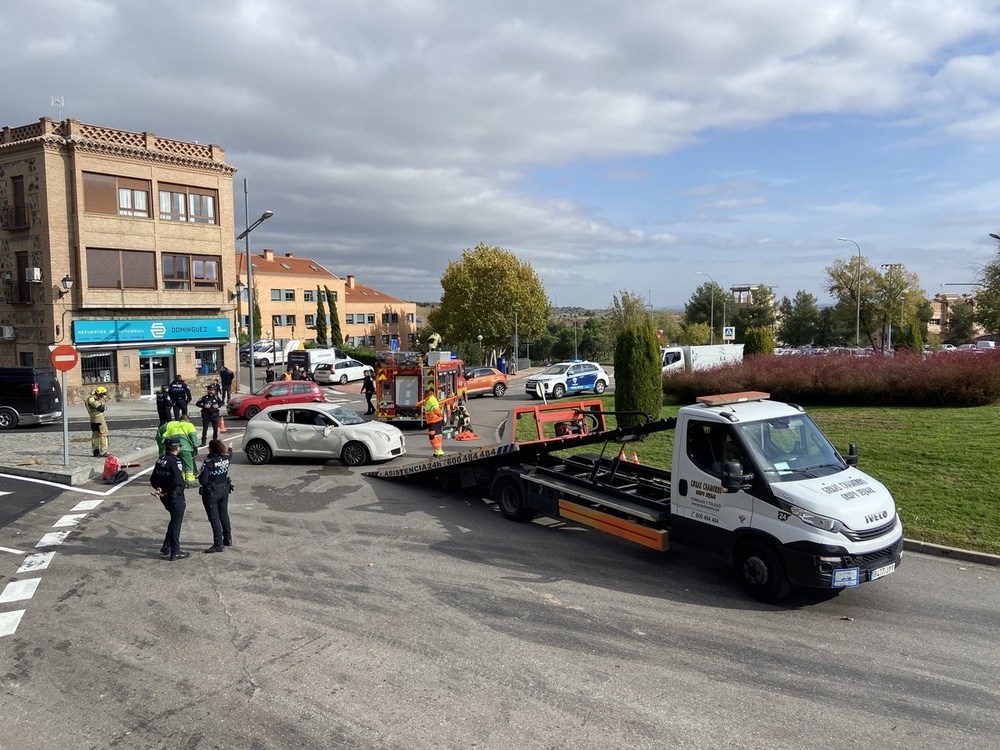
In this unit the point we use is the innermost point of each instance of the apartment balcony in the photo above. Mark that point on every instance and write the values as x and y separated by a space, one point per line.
14 217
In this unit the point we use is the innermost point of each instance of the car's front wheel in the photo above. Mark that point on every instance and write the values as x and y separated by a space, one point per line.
762 572
558 391
354 454
258 452
251 412
499 389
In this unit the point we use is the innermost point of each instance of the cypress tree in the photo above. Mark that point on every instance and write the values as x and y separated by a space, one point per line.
336 334
638 377
758 340
320 318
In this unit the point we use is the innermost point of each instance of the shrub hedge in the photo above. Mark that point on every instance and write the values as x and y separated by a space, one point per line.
904 379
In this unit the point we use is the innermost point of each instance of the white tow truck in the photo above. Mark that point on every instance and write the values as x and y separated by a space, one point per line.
753 480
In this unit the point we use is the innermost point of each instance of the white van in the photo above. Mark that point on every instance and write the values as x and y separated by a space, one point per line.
986 345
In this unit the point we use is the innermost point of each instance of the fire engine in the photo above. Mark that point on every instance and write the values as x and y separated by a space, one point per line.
400 378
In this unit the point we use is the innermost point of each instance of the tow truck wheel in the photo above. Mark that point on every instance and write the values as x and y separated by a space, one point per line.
511 501
558 391
762 571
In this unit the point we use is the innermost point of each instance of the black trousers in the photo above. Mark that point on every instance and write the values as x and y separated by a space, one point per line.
209 420
180 408
217 509
164 413
175 506
371 406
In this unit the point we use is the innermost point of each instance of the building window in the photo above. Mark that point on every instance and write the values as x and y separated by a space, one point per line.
98 367
208 360
349 319
275 321
182 203
385 340
289 295
371 319
370 340
390 318
411 317
411 338
308 295
190 271
290 320
331 296
122 196
311 321
120 269
275 295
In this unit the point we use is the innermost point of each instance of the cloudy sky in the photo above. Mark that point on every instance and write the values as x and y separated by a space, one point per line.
613 145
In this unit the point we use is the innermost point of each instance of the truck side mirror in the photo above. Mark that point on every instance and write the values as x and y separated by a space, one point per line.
852 455
733 478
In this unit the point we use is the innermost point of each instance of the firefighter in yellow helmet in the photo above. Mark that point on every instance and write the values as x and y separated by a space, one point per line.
434 417
98 424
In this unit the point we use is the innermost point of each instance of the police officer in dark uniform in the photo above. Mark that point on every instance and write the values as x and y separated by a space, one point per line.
181 395
215 489
164 404
167 481
209 404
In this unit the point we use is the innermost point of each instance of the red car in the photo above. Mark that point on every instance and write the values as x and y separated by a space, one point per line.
280 392
482 380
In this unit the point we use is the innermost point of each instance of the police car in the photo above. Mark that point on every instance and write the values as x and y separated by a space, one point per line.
568 377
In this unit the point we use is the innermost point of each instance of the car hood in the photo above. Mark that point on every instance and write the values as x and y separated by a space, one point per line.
852 497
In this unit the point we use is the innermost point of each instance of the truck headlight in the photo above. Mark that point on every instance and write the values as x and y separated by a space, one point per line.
815 519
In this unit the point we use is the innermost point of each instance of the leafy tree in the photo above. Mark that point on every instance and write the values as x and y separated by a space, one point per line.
988 296
638 384
705 304
255 315
961 321
880 296
758 313
694 334
799 319
320 318
336 334
758 341
911 339
482 293
668 325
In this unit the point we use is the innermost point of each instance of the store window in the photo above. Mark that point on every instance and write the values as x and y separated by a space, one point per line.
98 367
208 360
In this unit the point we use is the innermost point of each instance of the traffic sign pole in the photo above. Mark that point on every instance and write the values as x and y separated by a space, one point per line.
65 422
65 358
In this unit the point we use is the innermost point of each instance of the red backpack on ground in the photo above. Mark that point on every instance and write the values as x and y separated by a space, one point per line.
113 471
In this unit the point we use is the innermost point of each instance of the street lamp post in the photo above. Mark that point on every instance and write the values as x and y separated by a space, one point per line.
245 235
517 347
479 338
711 336
239 317
857 319
888 283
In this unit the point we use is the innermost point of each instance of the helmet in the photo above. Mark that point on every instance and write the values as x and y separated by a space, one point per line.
100 391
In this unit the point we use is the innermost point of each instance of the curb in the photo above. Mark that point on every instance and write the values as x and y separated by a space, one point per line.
939 550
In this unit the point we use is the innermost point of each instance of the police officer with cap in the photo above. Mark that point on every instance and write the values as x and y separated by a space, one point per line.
210 404
167 481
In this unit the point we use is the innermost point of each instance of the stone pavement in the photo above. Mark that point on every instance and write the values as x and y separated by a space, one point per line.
31 452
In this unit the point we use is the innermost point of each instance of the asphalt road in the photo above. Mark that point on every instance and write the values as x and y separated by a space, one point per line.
356 613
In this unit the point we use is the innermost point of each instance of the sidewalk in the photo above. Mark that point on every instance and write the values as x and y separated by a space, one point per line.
30 452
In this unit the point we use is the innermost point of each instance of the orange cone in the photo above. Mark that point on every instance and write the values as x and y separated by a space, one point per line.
222 423
635 458
621 456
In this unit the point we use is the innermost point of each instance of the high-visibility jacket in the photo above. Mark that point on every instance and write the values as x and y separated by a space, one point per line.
432 410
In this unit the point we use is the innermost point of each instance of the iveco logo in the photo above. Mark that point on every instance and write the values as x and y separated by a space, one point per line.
873 517
158 330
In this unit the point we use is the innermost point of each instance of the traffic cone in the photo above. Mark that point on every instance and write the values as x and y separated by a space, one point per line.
635 458
621 456
222 423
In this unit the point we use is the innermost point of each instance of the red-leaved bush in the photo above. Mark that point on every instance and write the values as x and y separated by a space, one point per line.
905 379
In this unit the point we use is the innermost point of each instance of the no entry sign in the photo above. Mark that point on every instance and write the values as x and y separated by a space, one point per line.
65 357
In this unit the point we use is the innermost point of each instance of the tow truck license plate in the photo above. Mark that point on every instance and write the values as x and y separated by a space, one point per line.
883 571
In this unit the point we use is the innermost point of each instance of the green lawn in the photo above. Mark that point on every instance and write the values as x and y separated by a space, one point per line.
941 465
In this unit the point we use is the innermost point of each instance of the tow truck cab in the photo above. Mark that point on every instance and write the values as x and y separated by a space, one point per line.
759 483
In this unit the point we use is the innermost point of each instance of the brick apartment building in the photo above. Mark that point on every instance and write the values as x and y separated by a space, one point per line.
119 243
286 290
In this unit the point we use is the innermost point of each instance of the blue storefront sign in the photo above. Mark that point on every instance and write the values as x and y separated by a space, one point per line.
117 332
157 352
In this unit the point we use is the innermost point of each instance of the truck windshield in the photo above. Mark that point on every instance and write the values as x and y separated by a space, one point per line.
790 448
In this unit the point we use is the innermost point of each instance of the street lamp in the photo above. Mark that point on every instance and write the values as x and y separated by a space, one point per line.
857 320
245 235
711 337
517 347
67 282
995 236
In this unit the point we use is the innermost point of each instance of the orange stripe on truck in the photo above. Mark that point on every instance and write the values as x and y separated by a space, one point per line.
633 532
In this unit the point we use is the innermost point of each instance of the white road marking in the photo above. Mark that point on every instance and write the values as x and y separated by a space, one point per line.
36 561
52 539
86 505
72 520
9 622
81 490
2 493
17 591
13 551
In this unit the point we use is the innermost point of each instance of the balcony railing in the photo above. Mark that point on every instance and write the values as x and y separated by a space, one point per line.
14 217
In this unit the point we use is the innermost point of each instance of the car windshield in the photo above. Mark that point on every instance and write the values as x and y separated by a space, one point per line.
344 415
556 370
790 448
